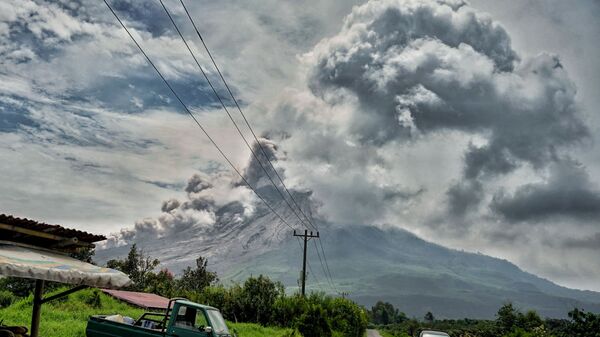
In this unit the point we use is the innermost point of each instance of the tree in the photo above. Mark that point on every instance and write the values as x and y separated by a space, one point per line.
506 318
161 283
313 323
84 254
198 278
385 313
346 317
258 297
584 324
429 317
529 321
137 266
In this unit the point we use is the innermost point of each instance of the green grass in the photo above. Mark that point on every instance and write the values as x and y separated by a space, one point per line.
255 330
385 333
68 317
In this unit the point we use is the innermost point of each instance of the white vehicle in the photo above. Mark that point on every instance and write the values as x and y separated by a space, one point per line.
429 333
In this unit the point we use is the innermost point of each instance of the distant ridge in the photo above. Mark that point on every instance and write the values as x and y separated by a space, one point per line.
369 263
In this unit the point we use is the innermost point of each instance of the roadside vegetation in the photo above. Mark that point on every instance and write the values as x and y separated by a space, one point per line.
68 317
256 307
509 322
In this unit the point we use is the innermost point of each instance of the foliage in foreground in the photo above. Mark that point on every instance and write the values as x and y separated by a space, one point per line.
68 317
258 300
509 322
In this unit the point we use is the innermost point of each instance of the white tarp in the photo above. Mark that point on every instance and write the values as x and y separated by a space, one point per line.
45 265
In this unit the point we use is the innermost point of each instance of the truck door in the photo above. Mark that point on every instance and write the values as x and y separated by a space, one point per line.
190 322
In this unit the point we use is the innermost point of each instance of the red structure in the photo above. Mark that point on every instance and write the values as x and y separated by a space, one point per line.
142 300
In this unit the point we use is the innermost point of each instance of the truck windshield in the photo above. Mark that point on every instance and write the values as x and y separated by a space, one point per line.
217 321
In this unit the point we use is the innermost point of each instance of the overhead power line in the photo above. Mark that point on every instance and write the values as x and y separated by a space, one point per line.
194 117
306 237
244 116
310 270
325 271
224 106
261 147
308 220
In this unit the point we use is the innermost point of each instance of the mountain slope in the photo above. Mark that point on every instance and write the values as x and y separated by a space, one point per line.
417 276
370 263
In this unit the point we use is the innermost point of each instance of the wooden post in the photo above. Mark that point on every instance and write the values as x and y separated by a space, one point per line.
37 307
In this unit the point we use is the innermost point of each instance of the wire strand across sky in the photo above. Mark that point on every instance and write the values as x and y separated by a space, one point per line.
212 141
326 270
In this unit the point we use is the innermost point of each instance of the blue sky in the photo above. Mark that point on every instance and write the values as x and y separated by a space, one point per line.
91 138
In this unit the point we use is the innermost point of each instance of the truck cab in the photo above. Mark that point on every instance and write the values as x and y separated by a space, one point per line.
182 318
189 319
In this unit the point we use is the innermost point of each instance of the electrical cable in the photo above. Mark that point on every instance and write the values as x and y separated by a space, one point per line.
329 280
328 272
194 118
227 111
310 271
242 113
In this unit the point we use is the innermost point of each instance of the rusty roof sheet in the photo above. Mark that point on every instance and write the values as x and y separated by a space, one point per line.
142 300
42 227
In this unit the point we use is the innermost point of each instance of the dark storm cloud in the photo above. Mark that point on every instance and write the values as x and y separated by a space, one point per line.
567 192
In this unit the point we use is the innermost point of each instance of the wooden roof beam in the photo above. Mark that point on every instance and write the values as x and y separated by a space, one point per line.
62 241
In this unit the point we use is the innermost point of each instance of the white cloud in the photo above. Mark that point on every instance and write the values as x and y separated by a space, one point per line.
399 166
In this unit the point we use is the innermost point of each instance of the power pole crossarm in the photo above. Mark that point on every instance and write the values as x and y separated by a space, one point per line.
306 236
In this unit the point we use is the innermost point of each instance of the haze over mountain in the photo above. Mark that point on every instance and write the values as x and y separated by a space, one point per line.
367 262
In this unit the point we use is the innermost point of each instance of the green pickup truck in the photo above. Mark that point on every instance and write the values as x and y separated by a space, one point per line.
181 319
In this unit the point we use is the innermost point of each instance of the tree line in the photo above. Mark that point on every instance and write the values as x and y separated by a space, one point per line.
509 322
256 300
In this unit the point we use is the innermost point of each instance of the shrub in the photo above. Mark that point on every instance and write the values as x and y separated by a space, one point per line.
287 310
6 298
93 299
346 317
313 323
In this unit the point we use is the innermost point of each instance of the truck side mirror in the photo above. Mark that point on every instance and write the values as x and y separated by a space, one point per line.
208 329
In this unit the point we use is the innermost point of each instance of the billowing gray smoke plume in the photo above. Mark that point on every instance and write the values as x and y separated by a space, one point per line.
420 114
213 200
401 73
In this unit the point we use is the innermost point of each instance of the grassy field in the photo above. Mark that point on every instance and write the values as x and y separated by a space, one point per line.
67 317
385 333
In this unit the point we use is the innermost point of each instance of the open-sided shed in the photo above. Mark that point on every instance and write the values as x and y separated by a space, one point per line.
35 250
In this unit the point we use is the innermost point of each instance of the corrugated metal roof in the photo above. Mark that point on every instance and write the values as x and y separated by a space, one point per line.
142 300
32 225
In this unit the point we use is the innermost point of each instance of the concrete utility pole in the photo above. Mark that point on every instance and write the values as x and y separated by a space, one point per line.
306 237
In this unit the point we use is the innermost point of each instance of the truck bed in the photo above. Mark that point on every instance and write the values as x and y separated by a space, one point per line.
99 327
